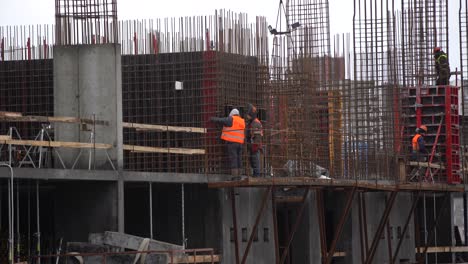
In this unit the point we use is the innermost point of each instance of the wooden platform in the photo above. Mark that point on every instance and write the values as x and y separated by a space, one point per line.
164 128
196 259
377 185
51 119
144 149
56 144
426 164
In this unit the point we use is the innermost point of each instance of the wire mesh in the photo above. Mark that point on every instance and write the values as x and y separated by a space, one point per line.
85 21
424 25
179 72
213 83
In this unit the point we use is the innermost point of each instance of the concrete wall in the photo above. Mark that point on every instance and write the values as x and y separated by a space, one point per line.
306 243
84 207
87 84
248 203
375 206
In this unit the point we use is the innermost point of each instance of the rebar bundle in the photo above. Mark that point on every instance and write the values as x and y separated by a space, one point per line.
85 21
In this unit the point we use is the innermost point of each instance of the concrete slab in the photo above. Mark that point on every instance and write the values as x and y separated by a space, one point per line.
109 175
59 174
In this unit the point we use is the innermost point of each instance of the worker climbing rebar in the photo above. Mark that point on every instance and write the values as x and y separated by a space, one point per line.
442 66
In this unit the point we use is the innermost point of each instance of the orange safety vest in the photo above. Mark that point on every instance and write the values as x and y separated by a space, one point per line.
414 142
235 133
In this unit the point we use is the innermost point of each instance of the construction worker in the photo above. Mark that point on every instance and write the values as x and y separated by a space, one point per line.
234 135
442 66
254 135
419 151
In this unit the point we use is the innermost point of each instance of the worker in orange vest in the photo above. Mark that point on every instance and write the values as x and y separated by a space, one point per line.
254 135
233 134
419 151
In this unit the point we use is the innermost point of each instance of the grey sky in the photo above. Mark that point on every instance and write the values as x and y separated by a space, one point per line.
26 12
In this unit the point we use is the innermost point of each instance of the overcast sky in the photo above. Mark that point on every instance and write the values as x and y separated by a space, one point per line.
26 12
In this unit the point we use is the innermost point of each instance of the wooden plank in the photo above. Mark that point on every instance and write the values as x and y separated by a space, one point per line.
339 254
5 137
53 119
425 164
338 183
64 119
148 127
143 149
56 144
9 114
402 170
289 199
452 249
197 259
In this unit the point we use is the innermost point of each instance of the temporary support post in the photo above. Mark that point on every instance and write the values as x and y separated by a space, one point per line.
257 221
321 221
339 228
364 222
275 225
296 225
11 235
378 233
182 200
38 223
434 226
405 227
234 222
362 239
151 208
389 238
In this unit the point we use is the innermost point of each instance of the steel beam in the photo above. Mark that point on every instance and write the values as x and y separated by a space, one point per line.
361 227
321 221
364 216
257 221
275 225
389 240
378 233
340 226
296 225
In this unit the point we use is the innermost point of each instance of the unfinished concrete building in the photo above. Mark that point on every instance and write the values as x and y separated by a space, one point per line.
108 154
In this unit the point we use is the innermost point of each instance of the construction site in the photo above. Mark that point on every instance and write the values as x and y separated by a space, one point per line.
108 151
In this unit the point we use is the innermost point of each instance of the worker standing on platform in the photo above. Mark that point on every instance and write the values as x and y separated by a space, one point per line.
442 66
234 135
419 152
254 135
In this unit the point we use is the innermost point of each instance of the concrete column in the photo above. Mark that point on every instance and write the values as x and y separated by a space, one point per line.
306 242
88 84
375 206
248 202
